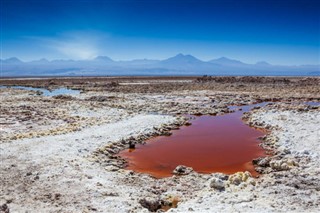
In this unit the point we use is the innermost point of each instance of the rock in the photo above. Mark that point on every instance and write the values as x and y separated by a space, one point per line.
167 133
151 204
239 177
252 181
57 196
4 208
276 165
112 168
284 164
291 163
306 152
51 82
168 202
114 84
99 98
217 184
221 176
39 92
132 145
187 124
182 170
63 97
110 194
262 162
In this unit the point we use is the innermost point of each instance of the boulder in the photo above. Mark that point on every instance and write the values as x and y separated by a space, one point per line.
217 183
283 164
239 177
182 170
151 204
262 162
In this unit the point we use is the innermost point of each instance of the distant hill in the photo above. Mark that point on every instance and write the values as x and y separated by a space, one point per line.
12 60
103 59
227 62
181 59
262 63
179 64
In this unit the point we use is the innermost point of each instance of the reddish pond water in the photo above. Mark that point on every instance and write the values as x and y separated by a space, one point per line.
211 144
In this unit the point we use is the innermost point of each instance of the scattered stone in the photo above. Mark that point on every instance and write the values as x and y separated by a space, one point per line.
100 98
131 145
47 112
4 208
182 170
283 164
110 194
169 202
217 184
151 204
262 162
38 92
64 97
112 168
239 177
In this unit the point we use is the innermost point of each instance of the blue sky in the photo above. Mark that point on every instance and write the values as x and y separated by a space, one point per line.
280 32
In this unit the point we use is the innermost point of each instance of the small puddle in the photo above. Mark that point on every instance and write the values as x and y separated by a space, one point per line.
45 92
211 144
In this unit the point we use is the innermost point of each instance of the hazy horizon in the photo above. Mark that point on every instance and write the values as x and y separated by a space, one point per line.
150 59
179 64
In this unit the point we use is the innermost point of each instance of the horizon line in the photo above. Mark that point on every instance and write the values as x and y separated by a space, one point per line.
128 60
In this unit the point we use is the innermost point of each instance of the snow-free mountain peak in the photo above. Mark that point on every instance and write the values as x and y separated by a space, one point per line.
179 64
181 58
12 60
262 63
226 61
103 58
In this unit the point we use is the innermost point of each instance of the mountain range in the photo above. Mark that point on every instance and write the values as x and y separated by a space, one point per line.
177 65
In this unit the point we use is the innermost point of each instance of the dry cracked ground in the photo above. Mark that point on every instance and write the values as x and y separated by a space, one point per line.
59 153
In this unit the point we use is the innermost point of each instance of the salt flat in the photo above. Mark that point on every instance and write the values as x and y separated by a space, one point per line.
59 154
294 190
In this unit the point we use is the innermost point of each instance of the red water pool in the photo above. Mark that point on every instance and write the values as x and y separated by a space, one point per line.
211 144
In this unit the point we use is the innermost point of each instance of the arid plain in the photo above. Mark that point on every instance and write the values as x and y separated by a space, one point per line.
60 153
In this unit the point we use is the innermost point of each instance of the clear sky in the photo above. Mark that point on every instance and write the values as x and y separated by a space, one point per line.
278 31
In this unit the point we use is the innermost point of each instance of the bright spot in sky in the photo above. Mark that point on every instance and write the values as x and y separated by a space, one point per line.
77 44
77 50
